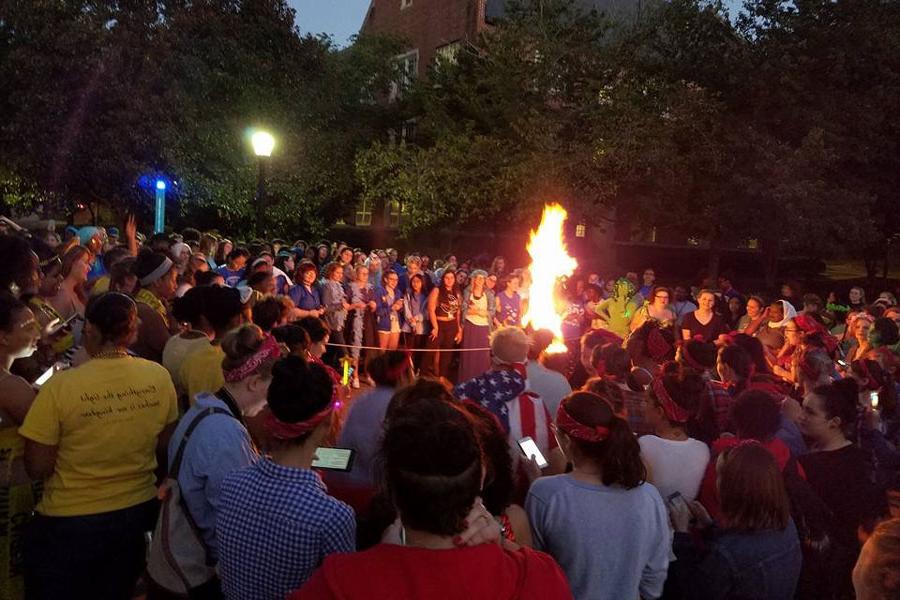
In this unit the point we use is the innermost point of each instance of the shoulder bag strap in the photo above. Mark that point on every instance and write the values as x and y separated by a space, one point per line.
176 463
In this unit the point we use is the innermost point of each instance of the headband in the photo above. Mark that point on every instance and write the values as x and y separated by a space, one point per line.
268 349
673 412
579 431
158 272
690 360
282 430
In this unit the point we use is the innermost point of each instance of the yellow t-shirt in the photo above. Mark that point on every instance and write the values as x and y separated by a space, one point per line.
201 371
100 286
104 417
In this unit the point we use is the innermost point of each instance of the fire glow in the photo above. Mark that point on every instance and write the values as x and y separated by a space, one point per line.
549 262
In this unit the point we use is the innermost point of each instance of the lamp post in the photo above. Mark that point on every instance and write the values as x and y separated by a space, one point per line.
263 143
159 221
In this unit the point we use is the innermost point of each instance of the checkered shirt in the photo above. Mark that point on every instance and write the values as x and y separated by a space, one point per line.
275 527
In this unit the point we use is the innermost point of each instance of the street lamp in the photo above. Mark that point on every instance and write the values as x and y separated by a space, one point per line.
159 221
263 143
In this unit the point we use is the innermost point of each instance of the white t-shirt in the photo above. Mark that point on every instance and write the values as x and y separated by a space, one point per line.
551 386
675 466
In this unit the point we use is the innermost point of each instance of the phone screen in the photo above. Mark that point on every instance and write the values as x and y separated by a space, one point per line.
529 448
873 399
45 376
677 499
333 459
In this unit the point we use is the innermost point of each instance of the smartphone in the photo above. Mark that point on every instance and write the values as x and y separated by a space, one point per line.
46 375
842 363
677 499
62 325
873 399
334 459
529 448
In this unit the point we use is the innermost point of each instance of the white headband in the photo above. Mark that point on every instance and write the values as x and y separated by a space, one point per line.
158 272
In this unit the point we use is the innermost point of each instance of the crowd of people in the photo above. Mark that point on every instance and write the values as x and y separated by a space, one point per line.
166 404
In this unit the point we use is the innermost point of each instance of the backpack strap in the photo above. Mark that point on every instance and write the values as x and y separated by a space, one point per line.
179 455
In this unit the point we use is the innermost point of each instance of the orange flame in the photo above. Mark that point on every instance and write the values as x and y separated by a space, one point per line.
549 262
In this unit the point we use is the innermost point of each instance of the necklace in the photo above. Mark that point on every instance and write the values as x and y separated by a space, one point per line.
111 354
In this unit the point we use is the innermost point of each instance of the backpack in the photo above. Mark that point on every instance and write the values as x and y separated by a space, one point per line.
178 560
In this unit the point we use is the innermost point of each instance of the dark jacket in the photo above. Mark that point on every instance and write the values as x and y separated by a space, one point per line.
733 565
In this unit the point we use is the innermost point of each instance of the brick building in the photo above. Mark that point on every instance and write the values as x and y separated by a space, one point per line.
432 27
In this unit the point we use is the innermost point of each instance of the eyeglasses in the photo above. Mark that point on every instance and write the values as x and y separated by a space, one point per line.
666 297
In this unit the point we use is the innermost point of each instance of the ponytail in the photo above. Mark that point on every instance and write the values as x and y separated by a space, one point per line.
602 437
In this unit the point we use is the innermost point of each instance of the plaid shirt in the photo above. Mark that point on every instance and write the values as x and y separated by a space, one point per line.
721 402
275 527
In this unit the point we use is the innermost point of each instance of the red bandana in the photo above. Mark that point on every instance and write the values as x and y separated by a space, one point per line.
268 349
282 430
673 412
576 430
657 346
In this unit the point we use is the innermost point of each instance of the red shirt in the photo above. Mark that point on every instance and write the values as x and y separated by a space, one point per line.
390 572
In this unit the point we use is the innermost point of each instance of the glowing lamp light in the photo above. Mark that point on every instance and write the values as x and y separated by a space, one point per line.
263 143
549 262
160 184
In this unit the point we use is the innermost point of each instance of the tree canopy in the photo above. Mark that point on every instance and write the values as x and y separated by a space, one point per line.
101 96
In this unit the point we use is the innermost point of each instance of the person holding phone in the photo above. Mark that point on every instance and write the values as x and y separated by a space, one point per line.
93 435
604 497
756 552
276 521
19 335
445 543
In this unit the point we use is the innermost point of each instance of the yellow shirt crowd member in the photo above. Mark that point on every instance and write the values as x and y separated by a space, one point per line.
202 371
104 417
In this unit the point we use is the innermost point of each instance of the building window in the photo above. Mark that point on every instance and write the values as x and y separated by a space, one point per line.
394 212
408 131
407 69
405 4
363 214
448 52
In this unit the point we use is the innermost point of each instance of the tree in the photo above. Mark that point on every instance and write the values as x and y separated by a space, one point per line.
102 95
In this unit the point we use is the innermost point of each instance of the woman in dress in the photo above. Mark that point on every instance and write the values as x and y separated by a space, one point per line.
334 299
388 305
703 323
362 297
656 308
444 315
478 319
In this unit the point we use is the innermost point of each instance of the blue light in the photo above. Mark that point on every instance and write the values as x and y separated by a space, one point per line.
160 184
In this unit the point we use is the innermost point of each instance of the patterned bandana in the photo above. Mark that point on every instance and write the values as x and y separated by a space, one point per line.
268 349
673 412
579 431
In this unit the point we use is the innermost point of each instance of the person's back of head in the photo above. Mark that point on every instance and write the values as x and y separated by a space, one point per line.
316 328
738 362
608 390
294 337
884 332
678 395
597 434
248 351
301 398
190 307
751 489
267 313
111 318
877 572
756 415
432 464
610 360
222 307
391 368
700 356
540 341
754 348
